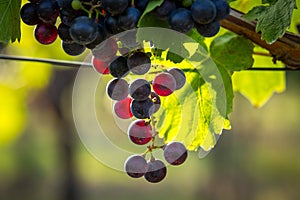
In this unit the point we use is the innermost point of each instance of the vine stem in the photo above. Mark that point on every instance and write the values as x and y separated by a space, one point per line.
76 64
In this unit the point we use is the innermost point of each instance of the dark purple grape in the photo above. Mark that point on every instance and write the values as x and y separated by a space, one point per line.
117 89
111 25
45 33
129 19
118 67
115 7
68 16
48 11
140 132
122 108
29 15
223 9
72 48
179 77
140 89
164 10
181 20
64 33
164 84
203 11
135 166
141 4
142 109
208 30
84 30
99 38
175 153
156 100
139 63
156 171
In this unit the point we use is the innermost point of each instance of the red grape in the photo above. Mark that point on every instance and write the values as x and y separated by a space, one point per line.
100 66
45 33
140 132
164 84
122 108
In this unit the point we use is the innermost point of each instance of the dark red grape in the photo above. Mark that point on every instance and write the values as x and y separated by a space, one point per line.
156 171
142 109
45 33
179 77
164 84
139 63
135 166
140 132
140 89
118 67
117 89
100 66
175 153
122 108
72 48
29 15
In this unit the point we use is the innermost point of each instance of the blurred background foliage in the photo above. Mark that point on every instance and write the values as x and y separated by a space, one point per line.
42 158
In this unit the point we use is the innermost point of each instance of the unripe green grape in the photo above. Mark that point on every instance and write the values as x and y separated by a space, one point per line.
76 5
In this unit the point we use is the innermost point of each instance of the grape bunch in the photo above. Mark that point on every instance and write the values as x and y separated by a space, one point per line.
82 24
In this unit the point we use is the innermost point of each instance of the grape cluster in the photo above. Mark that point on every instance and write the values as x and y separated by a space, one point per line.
139 100
86 23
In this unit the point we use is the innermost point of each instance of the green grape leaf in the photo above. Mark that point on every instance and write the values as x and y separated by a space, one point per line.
10 20
232 51
273 20
147 20
258 86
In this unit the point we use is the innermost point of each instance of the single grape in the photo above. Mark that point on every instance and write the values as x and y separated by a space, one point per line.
175 153
156 100
72 48
135 166
106 50
142 109
129 19
99 38
48 11
208 30
84 30
45 33
139 63
203 11
63 32
118 67
76 4
117 89
140 89
68 16
141 4
164 84
122 108
140 132
164 10
112 25
181 20
187 3
223 9
179 77
100 66
156 171
115 7
29 15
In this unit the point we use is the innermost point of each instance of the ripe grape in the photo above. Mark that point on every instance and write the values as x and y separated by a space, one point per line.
142 109
156 100
135 166
83 30
140 89
223 9
106 51
118 67
72 48
29 15
63 32
115 7
45 33
141 4
164 10
203 11
208 30
48 11
99 38
175 153
156 171
117 89
164 84
129 19
122 108
112 25
179 77
139 63
100 66
140 132
181 20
